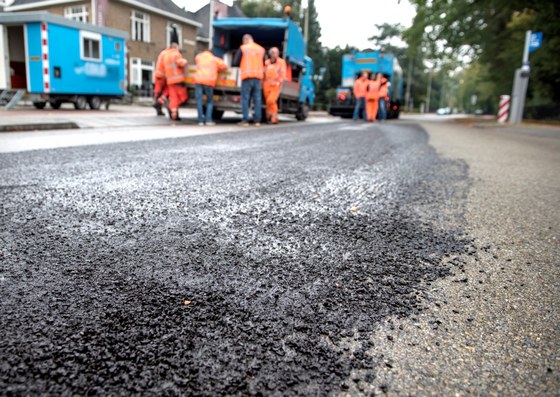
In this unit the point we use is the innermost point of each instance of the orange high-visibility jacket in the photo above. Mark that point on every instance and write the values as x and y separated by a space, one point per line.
174 66
207 66
384 88
360 87
275 73
372 93
160 67
252 61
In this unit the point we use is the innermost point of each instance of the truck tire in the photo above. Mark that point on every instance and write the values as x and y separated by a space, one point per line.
39 105
217 114
80 103
94 103
302 112
55 104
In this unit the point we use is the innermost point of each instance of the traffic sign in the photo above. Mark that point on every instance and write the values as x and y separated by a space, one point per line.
535 41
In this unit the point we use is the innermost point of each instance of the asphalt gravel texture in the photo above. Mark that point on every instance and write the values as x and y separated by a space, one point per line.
248 263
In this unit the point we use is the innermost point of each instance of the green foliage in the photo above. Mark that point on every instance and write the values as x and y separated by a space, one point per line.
491 33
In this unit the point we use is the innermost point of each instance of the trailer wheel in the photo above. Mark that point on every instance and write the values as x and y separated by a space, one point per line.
303 111
80 103
94 103
217 114
39 105
55 104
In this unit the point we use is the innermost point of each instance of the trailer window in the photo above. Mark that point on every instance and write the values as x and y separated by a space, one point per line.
90 46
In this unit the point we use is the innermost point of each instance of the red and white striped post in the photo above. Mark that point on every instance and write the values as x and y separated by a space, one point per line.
503 108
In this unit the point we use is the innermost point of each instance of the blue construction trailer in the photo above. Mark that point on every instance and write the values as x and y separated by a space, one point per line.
353 65
298 91
60 60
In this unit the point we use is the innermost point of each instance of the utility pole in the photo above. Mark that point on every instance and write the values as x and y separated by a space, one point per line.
306 25
210 27
408 83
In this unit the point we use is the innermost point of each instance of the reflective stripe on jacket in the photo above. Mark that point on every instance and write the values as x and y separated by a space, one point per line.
275 73
252 61
174 66
207 66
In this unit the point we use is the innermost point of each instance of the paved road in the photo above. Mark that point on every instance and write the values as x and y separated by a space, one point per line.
309 259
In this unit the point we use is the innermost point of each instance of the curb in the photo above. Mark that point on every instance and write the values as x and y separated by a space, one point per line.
67 125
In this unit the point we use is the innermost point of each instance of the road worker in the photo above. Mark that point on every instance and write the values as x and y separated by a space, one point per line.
372 96
383 96
175 75
250 58
274 75
360 89
160 86
207 67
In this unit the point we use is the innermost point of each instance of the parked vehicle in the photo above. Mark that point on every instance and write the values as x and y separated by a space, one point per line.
298 92
60 60
371 62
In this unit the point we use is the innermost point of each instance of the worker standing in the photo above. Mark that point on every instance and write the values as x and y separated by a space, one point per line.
250 58
175 75
360 89
160 85
372 97
207 67
383 96
274 75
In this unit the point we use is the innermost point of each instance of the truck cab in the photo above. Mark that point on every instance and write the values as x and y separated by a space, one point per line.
298 92
372 62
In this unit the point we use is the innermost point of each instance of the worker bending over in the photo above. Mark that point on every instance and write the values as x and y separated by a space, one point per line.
250 58
360 89
175 75
207 67
372 97
274 75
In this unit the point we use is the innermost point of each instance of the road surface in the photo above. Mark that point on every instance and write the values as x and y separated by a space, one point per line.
310 259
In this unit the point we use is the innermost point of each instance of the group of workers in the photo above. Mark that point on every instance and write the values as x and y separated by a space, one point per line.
258 77
371 93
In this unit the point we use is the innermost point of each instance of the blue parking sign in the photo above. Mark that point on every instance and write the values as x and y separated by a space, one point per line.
535 42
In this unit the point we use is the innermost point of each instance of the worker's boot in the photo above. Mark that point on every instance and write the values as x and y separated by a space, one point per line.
157 107
274 119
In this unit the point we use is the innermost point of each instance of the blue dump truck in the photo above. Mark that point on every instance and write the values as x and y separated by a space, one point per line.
298 92
371 62
60 60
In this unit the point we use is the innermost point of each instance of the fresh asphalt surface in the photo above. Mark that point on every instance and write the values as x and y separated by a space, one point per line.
308 259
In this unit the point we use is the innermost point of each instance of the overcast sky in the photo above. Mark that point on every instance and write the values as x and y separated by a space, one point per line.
347 21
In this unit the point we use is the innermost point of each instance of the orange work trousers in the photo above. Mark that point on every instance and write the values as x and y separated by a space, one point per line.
271 93
371 109
160 91
177 96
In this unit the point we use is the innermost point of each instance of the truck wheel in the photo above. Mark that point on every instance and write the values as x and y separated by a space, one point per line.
94 103
217 114
80 103
55 104
39 105
302 112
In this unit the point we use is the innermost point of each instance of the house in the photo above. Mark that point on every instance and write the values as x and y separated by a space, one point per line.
148 23
202 16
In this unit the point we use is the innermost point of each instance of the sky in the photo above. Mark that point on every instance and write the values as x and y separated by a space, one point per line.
347 21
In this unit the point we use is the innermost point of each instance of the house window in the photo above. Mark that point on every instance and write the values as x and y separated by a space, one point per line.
90 46
141 76
77 13
179 33
140 30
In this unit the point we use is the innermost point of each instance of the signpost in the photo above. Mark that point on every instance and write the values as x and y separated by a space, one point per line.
521 80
